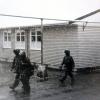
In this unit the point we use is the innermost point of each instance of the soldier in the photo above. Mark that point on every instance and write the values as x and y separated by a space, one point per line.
68 64
16 68
27 72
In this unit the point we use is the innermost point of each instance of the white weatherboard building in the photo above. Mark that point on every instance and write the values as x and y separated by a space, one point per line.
82 40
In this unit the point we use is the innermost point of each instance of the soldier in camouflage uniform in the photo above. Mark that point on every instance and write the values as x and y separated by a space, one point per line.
27 72
16 68
68 64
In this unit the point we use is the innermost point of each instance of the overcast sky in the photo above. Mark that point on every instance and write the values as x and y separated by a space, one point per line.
56 9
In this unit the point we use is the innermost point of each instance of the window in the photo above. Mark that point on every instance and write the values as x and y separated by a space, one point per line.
38 36
35 40
20 39
7 39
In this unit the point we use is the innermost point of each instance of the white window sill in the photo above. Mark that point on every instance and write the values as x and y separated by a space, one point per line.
35 49
7 47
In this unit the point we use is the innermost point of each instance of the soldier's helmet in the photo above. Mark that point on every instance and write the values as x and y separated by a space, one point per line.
23 54
67 52
16 51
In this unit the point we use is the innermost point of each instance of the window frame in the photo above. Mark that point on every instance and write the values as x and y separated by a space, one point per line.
7 42
19 44
36 44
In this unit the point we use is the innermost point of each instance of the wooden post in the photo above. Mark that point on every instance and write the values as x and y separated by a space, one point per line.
41 41
27 43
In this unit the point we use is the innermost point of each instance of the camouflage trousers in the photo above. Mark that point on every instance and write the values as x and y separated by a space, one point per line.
24 80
